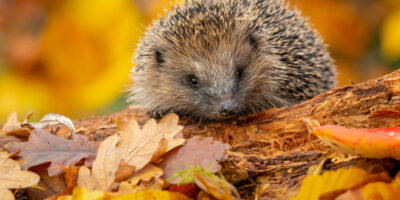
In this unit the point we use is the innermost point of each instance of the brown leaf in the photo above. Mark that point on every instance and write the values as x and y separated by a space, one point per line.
12 177
215 186
146 174
136 147
71 174
124 171
104 166
13 127
196 152
144 179
51 185
140 146
6 139
44 147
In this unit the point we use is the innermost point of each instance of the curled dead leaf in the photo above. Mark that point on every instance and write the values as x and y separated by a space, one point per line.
51 119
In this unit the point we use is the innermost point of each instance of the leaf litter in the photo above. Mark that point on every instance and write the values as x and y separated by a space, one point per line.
43 147
12 177
122 163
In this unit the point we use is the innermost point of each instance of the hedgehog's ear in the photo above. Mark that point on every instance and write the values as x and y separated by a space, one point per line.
159 56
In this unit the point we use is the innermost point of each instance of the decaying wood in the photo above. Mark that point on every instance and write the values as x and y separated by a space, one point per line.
275 146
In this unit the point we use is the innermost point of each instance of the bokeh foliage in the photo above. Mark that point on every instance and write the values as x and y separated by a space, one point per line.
73 57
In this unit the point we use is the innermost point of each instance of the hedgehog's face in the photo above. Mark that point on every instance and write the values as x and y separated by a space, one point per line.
228 79
207 69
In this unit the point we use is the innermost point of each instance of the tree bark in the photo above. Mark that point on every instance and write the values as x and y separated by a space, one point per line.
275 146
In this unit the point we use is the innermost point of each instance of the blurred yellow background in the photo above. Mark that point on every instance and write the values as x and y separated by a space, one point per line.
74 56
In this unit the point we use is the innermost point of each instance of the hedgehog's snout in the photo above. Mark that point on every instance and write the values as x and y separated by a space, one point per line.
228 108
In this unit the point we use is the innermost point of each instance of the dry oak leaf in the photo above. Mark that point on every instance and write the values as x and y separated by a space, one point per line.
141 146
204 153
12 177
331 184
43 147
104 166
145 175
136 147
13 127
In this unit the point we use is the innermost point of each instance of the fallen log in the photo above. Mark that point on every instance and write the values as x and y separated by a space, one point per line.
275 146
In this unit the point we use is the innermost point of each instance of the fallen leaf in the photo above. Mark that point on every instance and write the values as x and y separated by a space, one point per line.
216 186
6 194
83 193
154 195
51 119
104 166
48 185
12 177
204 153
13 127
374 190
6 139
136 147
331 184
44 147
369 143
140 146
125 188
124 171
147 174
71 174
189 189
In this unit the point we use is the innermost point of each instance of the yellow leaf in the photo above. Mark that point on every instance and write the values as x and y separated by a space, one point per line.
333 183
81 193
375 190
154 195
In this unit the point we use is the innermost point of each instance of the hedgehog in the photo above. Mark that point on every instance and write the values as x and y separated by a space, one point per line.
220 60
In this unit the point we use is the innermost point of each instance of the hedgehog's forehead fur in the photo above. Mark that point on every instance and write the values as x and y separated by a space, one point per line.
212 40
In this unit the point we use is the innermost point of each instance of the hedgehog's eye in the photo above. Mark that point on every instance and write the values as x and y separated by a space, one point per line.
193 81
160 58
239 73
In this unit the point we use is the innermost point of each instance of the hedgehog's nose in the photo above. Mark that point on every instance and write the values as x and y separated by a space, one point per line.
228 108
